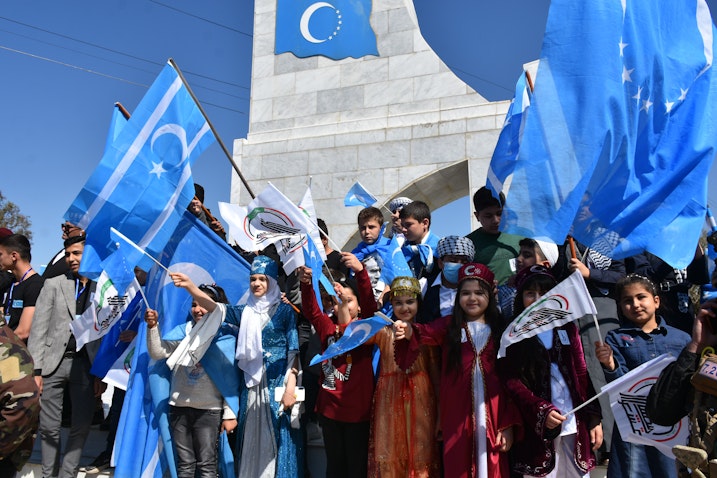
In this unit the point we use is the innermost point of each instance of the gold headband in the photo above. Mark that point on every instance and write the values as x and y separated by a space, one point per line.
405 286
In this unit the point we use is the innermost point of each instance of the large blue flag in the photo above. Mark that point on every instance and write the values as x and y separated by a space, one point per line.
144 180
506 150
356 333
337 30
622 129
120 264
197 251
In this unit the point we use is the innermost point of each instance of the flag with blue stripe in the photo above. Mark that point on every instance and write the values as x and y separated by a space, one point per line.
621 130
506 150
357 333
197 251
144 180
336 29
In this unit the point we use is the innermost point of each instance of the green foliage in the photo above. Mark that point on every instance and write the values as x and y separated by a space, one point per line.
13 219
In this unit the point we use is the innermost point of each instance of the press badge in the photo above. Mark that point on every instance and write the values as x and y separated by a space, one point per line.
563 336
17 304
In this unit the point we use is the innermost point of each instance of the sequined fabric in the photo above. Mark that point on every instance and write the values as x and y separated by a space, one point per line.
403 427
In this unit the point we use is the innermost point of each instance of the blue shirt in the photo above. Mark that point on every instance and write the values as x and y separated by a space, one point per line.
632 347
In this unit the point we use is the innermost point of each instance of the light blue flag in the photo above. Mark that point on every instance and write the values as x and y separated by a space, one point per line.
197 251
90 258
394 262
622 129
144 180
356 333
120 264
506 150
337 30
312 259
359 196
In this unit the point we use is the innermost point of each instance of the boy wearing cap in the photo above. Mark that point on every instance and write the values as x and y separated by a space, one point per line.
495 249
395 207
439 297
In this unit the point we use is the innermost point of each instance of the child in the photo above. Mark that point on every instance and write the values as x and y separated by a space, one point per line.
532 252
344 401
403 422
197 407
495 249
547 376
421 244
370 221
477 417
644 336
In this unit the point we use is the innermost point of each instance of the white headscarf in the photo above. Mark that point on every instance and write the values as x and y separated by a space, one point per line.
254 317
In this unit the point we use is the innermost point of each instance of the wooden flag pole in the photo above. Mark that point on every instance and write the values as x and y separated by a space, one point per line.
211 126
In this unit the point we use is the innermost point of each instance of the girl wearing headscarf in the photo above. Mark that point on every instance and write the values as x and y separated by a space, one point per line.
267 349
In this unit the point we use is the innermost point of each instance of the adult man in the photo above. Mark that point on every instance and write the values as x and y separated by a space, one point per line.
197 208
57 363
19 304
57 265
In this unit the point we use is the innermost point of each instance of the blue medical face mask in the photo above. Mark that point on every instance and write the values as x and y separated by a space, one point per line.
450 271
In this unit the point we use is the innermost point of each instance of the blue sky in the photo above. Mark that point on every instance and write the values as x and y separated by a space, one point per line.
64 64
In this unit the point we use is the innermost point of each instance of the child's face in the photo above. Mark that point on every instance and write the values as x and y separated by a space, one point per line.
414 230
526 257
639 306
473 299
197 311
369 230
349 303
258 284
489 218
530 296
405 307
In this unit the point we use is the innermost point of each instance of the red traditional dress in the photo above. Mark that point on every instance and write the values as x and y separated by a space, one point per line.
474 406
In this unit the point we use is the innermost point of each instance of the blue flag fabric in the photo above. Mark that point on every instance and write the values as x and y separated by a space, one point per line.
356 333
144 180
111 348
312 259
120 264
197 251
622 129
359 196
394 263
506 150
337 30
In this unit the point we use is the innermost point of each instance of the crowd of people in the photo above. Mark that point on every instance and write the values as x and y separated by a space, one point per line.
426 396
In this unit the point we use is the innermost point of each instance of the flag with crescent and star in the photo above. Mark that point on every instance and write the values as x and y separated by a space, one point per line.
144 181
621 130
356 333
336 29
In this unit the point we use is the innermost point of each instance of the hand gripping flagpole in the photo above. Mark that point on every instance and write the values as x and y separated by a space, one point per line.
211 126
574 255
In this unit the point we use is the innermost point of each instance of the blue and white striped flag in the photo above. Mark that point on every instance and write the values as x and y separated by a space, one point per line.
144 180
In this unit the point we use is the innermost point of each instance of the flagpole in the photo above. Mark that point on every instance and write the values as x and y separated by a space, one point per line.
385 317
211 126
123 110
597 395
132 244
574 255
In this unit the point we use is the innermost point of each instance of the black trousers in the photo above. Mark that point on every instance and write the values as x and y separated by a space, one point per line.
195 433
346 446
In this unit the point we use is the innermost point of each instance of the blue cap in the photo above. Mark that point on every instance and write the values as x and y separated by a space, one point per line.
265 265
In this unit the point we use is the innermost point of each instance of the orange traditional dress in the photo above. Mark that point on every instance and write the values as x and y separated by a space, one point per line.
403 420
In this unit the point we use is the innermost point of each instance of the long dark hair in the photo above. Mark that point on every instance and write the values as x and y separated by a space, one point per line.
526 353
458 321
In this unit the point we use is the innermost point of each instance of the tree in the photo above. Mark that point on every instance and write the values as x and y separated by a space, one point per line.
11 218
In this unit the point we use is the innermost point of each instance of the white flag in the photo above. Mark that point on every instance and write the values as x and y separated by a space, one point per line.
628 399
105 310
566 302
118 374
271 218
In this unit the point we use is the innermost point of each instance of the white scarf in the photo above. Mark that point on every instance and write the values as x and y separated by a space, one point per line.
250 353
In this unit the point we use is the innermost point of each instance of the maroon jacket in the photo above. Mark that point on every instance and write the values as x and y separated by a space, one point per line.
535 454
350 401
